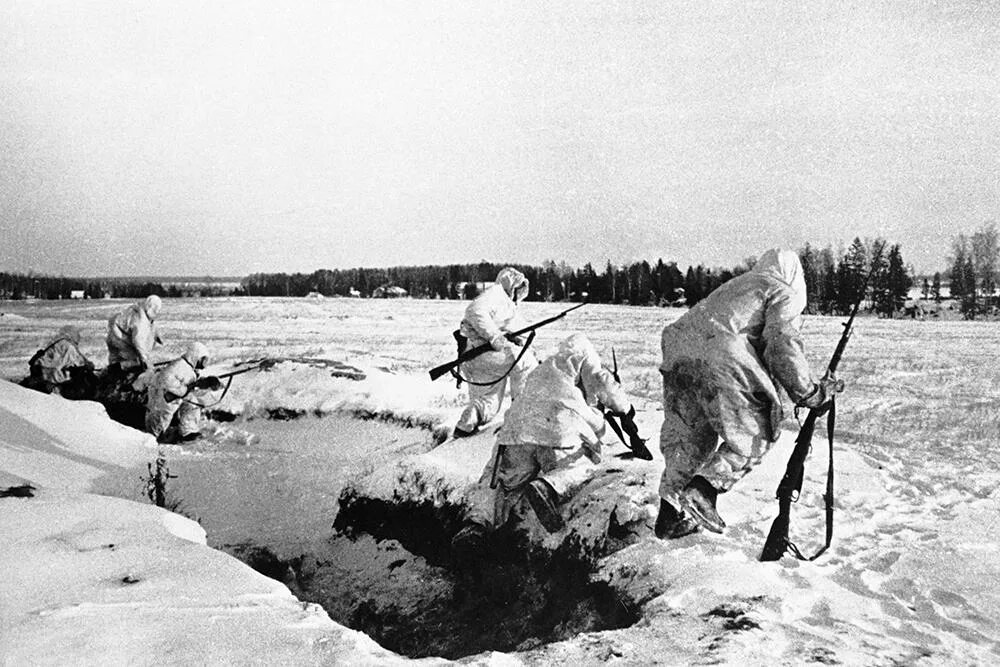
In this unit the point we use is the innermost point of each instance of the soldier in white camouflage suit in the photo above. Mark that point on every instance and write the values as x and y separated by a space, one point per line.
488 318
60 368
132 335
550 441
173 411
723 361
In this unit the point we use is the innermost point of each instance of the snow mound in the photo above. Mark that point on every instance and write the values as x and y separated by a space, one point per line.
93 580
52 442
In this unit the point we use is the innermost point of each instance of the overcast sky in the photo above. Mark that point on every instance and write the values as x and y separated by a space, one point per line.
230 137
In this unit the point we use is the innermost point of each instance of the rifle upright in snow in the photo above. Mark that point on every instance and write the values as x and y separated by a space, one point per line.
474 352
777 543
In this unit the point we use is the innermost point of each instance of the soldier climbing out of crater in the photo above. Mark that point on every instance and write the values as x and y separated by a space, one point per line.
723 362
488 319
130 340
549 444
173 412
132 335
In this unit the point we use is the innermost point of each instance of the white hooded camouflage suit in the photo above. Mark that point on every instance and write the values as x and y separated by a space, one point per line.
552 432
176 379
59 356
721 362
490 315
132 334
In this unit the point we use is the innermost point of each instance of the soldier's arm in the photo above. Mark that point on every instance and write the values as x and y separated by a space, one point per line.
784 351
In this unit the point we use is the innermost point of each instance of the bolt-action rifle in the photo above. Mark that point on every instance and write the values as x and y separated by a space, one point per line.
474 352
777 543
627 419
214 382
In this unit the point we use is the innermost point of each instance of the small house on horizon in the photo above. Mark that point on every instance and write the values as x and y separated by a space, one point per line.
389 292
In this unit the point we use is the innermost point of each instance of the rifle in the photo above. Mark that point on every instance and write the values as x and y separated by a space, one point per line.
208 381
474 352
777 542
635 443
262 364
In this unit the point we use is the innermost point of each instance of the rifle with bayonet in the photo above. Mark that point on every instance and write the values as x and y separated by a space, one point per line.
627 425
474 352
777 543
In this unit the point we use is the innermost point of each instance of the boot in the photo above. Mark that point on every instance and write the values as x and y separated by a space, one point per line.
671 523
469 541
698 500
542 499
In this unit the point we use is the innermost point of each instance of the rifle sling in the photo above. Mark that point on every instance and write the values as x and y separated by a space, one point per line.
517 360
831 419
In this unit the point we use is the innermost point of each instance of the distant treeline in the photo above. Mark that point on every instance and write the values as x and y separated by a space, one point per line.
640 283
832 278
24 286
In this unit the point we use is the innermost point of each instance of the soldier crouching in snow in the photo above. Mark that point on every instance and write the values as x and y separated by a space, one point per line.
549 443
170 414
721 407
487 319
60 368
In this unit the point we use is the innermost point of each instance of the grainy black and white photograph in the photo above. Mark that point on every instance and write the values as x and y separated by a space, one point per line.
376 333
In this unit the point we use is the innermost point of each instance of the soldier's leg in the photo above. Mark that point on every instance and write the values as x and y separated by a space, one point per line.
159 414
484 399
738 456
687 441
491 507
188 420
566 470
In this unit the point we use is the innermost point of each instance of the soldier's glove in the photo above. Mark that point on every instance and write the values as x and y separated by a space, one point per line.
516 340
211 383
825 390
501 344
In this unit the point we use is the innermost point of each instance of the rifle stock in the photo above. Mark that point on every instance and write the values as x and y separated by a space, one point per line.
788 490
474 352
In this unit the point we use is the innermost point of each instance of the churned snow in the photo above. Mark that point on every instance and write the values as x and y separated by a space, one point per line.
912 577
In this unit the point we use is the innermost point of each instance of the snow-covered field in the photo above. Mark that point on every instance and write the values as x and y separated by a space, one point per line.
914 572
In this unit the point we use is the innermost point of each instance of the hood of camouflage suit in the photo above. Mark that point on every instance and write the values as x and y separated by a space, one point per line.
195 352
513 283
786 267
569 358
151 306
70 333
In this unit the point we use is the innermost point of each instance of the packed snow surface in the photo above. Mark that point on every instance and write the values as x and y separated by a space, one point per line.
913 575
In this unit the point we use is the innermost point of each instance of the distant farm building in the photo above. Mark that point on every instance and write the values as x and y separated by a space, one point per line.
389 292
